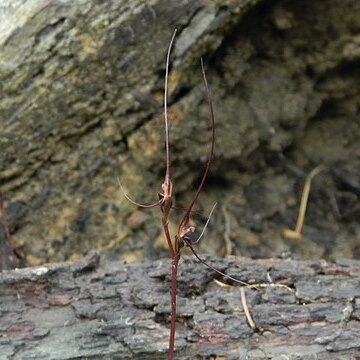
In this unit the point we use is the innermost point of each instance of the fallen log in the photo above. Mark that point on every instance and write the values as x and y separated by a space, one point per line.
101 308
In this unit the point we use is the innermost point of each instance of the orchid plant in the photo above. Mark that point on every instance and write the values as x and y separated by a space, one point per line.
183 237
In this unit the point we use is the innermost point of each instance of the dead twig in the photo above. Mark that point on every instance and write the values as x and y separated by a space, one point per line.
246 309
296 234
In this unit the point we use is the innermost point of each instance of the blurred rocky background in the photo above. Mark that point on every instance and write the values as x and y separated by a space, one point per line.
82 103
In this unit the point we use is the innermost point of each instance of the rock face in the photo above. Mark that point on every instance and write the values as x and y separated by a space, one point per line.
81 103
109 310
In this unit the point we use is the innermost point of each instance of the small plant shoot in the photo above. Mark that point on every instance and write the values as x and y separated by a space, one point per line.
182 238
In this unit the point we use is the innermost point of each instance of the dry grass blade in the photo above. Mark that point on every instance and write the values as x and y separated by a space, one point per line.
246 309
296 234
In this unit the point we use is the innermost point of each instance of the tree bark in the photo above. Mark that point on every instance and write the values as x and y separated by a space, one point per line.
104 309
81 103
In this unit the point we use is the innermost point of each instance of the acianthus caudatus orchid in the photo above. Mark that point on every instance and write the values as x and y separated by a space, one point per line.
183 236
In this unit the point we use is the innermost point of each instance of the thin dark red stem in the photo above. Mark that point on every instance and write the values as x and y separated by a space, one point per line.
166 121
167 186
165 225
174 270
186 217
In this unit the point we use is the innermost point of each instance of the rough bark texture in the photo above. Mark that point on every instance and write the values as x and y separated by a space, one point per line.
81 103
110 310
